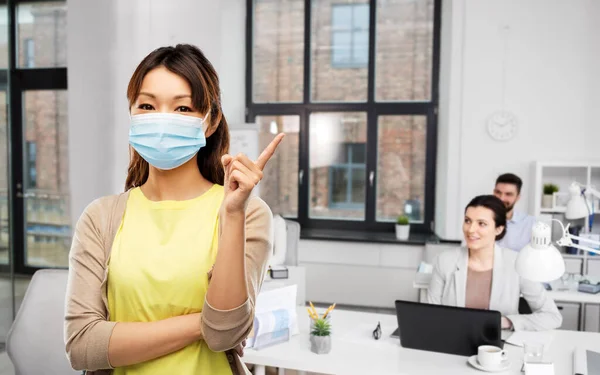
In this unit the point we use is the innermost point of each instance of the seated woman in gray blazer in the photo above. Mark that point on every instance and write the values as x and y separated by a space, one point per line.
482 275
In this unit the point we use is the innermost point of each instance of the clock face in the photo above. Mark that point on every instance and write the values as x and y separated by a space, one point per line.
502 126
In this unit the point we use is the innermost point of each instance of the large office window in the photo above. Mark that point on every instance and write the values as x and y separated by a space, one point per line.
34 81
354 84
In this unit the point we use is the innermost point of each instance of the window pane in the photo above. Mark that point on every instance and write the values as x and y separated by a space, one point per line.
337 166
3 41
401 167
4 233
46 179
341 17
360 47
339 185
337 73
42 33
404 50
361 16
358 185
278 51
279 187
342 47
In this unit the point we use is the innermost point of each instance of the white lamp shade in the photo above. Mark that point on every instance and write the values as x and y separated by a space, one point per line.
542 264
540 260
576 207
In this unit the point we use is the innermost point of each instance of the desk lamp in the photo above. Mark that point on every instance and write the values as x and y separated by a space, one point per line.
540 260
579 203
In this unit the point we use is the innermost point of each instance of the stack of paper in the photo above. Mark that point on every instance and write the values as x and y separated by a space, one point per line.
275 318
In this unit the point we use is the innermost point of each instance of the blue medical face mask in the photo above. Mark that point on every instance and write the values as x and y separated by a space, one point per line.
166 140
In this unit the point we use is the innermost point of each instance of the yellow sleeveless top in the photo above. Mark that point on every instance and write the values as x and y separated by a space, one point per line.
158 269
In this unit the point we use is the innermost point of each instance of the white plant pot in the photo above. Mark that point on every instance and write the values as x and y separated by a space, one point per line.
402 232
320 344
547 201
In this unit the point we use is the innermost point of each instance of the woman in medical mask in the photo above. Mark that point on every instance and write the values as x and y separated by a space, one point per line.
163 278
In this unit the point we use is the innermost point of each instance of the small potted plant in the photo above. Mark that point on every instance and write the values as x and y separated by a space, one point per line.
402 227
547 198
320 336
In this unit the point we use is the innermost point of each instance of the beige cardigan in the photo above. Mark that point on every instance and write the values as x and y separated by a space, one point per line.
87 325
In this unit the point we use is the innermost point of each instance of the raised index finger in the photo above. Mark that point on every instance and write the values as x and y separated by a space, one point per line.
269 151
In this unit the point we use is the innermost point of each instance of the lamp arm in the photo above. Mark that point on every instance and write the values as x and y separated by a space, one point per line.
592 191
585 248
567 239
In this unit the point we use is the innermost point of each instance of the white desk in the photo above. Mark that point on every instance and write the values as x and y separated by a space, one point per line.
354 351
582 299
574 296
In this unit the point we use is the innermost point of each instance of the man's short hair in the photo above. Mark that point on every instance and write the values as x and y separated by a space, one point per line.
509 178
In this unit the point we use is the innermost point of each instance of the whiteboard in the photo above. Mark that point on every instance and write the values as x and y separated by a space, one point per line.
244 139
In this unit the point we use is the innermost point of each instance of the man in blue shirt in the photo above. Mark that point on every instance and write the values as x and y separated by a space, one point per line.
518 224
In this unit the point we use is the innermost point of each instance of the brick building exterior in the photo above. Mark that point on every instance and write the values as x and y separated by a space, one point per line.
403 73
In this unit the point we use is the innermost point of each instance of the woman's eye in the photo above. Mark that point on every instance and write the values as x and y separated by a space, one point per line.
145 107
482 224
183 109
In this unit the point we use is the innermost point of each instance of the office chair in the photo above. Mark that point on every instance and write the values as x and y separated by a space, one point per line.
524 307
35 342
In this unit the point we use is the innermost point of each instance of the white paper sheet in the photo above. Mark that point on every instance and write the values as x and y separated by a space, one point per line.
519 338
539 369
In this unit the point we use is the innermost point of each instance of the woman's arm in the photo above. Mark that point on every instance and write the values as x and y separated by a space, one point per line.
228 288
245 244
545 314
93 342
436 286
132 343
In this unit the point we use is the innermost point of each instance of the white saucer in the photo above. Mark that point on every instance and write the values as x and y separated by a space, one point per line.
505 365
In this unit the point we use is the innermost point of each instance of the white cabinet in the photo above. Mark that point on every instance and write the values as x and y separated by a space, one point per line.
570 314
593 266
592 318
573 265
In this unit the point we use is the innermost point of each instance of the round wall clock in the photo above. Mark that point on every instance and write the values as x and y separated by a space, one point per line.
502 126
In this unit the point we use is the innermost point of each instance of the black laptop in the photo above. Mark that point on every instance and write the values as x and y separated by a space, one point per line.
447 329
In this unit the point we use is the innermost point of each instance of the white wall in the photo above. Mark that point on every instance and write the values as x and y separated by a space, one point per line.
106 41
551 86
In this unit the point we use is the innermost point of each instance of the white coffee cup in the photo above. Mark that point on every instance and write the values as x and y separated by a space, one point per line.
490 356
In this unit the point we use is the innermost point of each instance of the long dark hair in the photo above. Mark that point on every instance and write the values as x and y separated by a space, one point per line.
188 62
494 204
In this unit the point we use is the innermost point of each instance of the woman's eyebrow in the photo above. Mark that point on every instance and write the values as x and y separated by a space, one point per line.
176 97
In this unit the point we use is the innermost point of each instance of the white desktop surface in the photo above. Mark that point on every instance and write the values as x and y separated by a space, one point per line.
574 296
354 351
557 295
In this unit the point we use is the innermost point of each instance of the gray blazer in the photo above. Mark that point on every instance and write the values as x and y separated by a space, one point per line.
449 282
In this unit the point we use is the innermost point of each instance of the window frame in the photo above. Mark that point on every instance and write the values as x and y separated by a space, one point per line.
16 80
373 110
